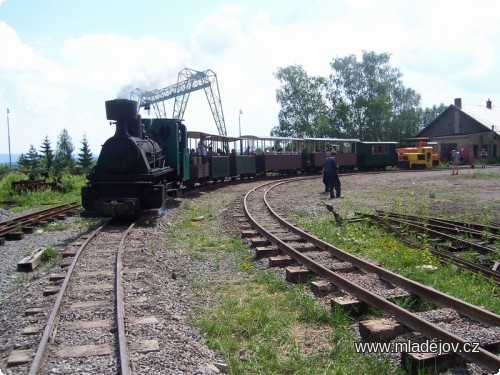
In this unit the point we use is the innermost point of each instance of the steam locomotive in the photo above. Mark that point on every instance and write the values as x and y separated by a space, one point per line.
131 173
146 160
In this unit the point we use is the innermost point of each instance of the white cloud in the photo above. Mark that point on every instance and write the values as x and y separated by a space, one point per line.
106 61
219 33
30 80
20 60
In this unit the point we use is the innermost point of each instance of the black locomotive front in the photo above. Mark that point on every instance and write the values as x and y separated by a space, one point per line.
130 175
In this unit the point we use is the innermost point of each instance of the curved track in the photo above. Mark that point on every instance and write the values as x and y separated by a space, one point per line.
292 242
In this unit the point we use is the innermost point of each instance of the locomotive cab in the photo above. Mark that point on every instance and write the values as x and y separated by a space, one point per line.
171 135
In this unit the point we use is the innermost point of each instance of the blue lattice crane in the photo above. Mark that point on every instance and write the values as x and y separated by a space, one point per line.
188 80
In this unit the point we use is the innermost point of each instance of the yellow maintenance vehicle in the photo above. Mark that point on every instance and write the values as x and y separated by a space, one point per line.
418 157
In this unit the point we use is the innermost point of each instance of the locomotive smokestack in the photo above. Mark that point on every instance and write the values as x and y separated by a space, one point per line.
122 111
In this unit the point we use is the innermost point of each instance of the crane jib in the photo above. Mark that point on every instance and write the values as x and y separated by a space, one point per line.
189 80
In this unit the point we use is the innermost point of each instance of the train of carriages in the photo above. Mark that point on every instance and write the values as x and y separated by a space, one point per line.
146 160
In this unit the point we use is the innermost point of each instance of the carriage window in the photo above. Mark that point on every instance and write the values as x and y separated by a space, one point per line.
374 150
386 149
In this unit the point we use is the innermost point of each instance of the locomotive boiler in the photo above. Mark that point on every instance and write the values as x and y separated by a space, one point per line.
131 174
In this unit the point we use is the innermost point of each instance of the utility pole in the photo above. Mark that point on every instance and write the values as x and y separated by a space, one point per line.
239 120
8 134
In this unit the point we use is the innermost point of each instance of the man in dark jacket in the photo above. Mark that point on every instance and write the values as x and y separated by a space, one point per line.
332 177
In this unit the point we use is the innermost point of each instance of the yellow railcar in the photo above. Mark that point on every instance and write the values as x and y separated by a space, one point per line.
416 158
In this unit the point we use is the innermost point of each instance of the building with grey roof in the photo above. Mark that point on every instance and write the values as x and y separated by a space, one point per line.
466 128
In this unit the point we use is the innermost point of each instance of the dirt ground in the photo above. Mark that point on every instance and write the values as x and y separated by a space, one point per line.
472 195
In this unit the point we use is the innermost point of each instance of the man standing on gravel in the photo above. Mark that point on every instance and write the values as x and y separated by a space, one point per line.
332 177
483 157
455 156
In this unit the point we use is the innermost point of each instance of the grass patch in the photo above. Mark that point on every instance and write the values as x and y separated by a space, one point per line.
480 174
55 226
261 325
21 280
49 253
195 229
70 191
49 256
374 243
266 327
88 223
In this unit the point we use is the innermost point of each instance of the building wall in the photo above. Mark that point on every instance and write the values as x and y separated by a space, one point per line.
474 143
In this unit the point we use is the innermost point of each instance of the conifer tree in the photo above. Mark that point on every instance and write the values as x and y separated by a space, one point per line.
85 157
64 152
23 162
33 158
47 155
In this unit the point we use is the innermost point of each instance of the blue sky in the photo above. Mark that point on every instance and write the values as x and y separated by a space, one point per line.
61 59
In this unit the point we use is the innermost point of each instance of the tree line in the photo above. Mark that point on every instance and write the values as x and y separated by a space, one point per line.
363 99
58 160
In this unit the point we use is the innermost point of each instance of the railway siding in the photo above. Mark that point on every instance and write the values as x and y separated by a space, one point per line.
352 281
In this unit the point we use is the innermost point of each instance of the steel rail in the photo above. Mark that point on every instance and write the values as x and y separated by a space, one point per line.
6 222
51 322
120 306
476 226
457 230
11 225
444 226
470 266
425 229
444 256
482 357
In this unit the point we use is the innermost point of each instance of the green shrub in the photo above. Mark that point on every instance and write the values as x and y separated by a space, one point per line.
69 191
6 191
49 253
70 183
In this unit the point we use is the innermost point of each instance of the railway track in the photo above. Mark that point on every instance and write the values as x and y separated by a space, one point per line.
14 229
89 298
446 238
343 279
476 230
478 237
96 323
